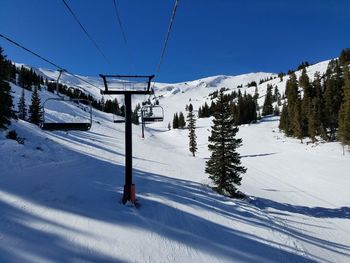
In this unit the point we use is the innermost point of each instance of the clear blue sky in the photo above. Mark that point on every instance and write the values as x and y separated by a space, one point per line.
209 37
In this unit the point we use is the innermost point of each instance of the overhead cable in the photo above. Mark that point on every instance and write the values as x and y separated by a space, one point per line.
167 37
85 31
46 60
123 33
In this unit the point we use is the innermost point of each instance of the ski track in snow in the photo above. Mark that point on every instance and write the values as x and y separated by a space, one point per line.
60 192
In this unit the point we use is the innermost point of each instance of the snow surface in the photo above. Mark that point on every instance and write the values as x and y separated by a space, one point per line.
60 192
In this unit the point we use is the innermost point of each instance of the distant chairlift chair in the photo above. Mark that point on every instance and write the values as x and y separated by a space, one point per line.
152 113
66 126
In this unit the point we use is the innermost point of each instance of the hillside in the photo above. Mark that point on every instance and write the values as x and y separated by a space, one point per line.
60 192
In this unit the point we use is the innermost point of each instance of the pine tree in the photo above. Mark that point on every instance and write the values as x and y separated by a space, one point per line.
176 121
297 121
267 107
200 112
224 166
182 122
191 120
6 102
35 113
344 114
285 124
22 108
288 110
311 119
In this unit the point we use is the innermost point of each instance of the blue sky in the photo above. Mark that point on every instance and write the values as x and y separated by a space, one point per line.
209 37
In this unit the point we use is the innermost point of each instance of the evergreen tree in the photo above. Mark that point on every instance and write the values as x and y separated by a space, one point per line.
344 115
6 102
297 121
22 108
200 112
267 107
191 120
285 124
122 111
277 96
135 115
182 122
176 121
292 96
224 166
35 113
256 97
311 119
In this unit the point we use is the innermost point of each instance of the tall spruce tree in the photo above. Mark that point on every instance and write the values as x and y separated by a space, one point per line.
285 124
267 107
6 103
344 114
191 120
176 121
224 166
182 122
22 108
35 114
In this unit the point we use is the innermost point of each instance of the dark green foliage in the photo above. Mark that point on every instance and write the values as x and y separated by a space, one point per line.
6 67
281 75
252 84
244 110
303 65
6 103
35 114
224 166
22 108
191 120
267 107
320 109
12 135
28 78
333 94
182 122
276 96
285 123
297 126
344 57
135 115
344 115
122 110
176 121
204 111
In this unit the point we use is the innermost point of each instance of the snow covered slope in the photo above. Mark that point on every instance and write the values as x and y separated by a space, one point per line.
60 192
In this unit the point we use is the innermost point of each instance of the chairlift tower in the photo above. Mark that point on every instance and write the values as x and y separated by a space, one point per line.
127 86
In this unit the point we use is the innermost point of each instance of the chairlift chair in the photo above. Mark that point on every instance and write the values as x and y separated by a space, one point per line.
152 113
66 126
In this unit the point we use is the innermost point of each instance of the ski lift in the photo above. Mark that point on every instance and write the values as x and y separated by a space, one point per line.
115 120
152 113
67 126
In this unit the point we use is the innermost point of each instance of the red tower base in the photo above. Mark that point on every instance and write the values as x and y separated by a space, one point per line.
129 194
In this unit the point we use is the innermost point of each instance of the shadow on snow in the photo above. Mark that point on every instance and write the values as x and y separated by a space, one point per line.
92 188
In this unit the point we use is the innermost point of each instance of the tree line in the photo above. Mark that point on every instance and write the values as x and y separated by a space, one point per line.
319 108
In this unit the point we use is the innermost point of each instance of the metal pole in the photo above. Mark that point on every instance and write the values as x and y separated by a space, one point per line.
128 150
142 124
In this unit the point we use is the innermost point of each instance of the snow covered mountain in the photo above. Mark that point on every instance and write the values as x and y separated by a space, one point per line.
60 192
